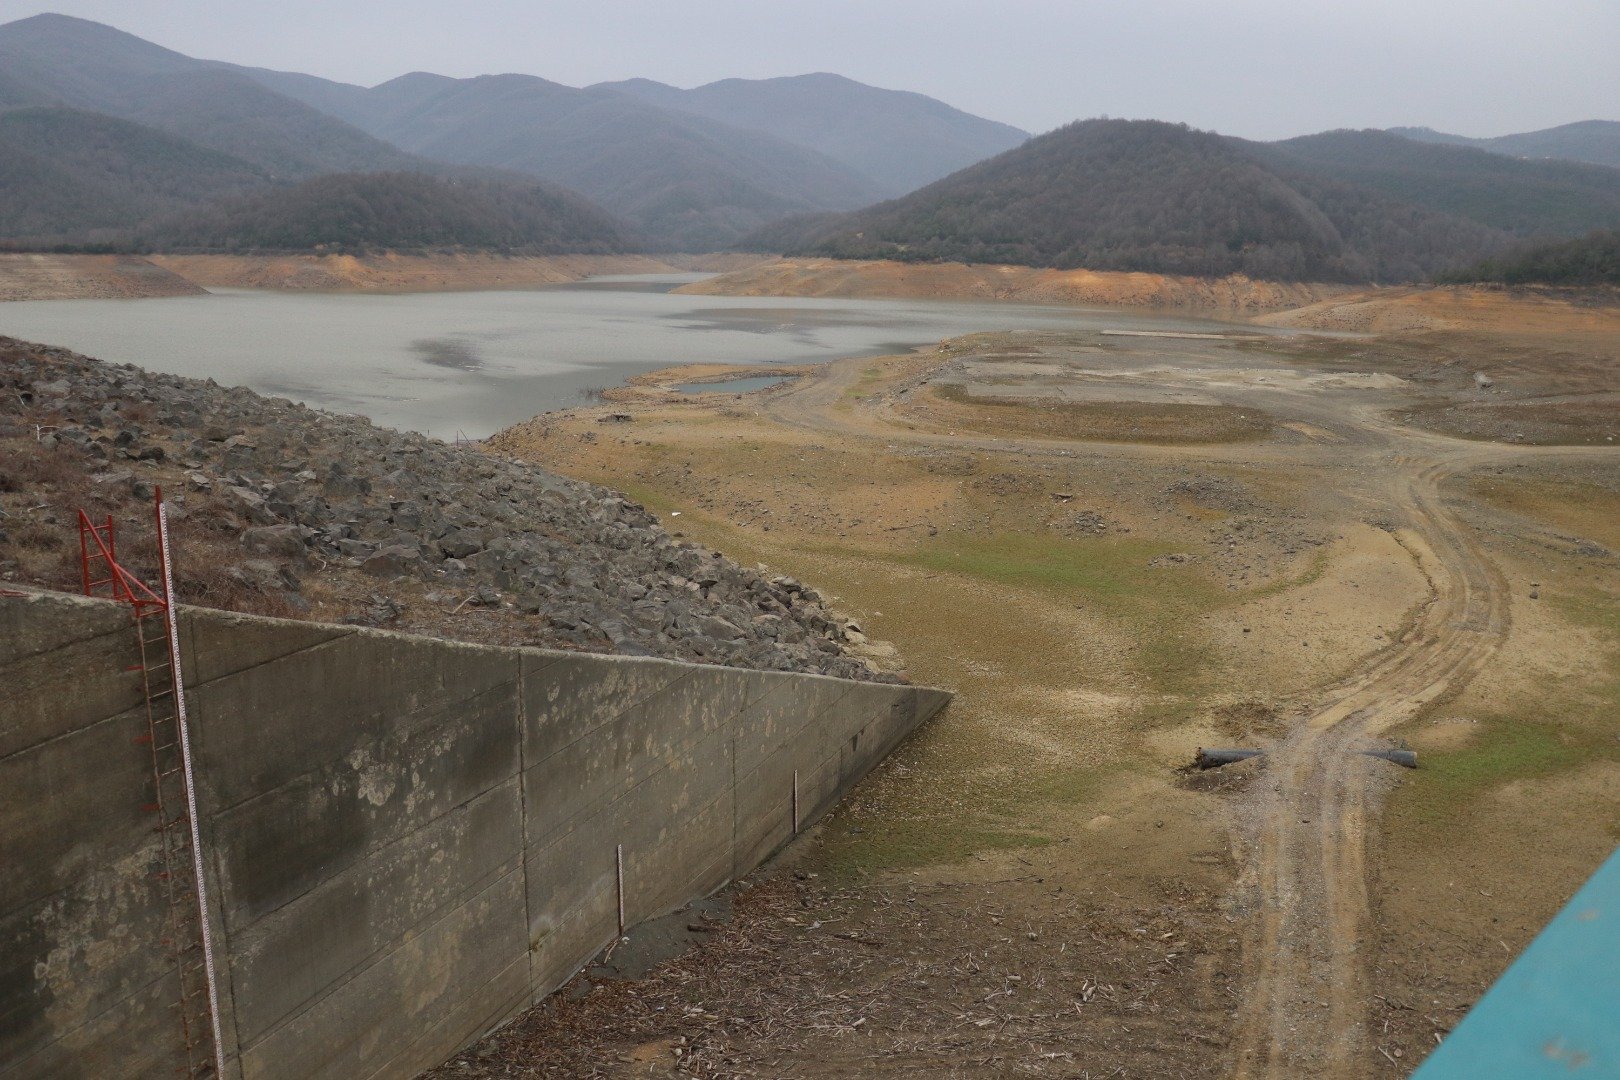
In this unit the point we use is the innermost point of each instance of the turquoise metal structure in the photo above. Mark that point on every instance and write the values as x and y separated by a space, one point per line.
1556 1011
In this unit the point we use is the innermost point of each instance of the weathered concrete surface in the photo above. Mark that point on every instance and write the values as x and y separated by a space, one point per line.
408 839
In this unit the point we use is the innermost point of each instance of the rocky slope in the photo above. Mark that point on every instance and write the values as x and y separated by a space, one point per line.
286 510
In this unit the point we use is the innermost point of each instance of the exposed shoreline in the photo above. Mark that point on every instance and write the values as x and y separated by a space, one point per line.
1233 296
1300 305
88 277
421 273
105 277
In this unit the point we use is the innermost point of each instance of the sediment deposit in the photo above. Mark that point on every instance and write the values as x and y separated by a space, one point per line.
88 277
78 277
1228 296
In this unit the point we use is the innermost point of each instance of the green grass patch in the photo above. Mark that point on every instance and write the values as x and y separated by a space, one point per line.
895 843
1315 570
1571 725
986 813
1596 610
1110 576
1108 571
862 388
1507 750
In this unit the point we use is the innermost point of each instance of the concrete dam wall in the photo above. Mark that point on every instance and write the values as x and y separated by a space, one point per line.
407 840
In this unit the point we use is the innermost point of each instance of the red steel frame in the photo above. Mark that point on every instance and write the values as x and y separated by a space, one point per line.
120 583
168 735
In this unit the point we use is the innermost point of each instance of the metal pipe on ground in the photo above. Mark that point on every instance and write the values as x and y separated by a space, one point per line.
1214 759
1404 758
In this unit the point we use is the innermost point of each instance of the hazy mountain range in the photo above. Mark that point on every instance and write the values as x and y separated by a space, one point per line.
106 139
682 179
1595 141
56 60
1524 197
680 175
71 172
858 125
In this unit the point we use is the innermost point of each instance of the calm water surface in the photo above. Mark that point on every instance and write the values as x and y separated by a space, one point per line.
473 363
730 386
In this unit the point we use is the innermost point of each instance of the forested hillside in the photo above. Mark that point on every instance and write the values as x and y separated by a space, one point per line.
396 212
1144 195
1528 198
1588 260
70 174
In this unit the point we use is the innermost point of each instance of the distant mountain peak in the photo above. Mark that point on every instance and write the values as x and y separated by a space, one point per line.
53 30
827 78
70 61
54 19
900 139
640 84
694 168
417 78
1596 142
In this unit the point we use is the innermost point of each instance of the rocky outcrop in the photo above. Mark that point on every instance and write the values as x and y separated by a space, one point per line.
333 517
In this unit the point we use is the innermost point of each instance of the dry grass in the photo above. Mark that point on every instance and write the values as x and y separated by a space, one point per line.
45 487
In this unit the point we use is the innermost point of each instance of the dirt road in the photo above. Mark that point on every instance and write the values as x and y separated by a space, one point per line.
1304 827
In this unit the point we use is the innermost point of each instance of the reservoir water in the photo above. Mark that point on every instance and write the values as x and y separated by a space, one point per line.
471 363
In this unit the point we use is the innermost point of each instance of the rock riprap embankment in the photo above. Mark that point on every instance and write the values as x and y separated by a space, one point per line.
290 510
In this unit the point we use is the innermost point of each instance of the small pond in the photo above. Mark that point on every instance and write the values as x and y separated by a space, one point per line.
732 386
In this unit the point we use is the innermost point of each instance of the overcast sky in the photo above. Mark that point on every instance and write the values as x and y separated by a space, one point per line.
1258 68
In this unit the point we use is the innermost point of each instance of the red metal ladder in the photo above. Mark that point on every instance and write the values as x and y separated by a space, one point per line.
174 802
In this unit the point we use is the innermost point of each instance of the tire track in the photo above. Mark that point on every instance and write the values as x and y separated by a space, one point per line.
1304 828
